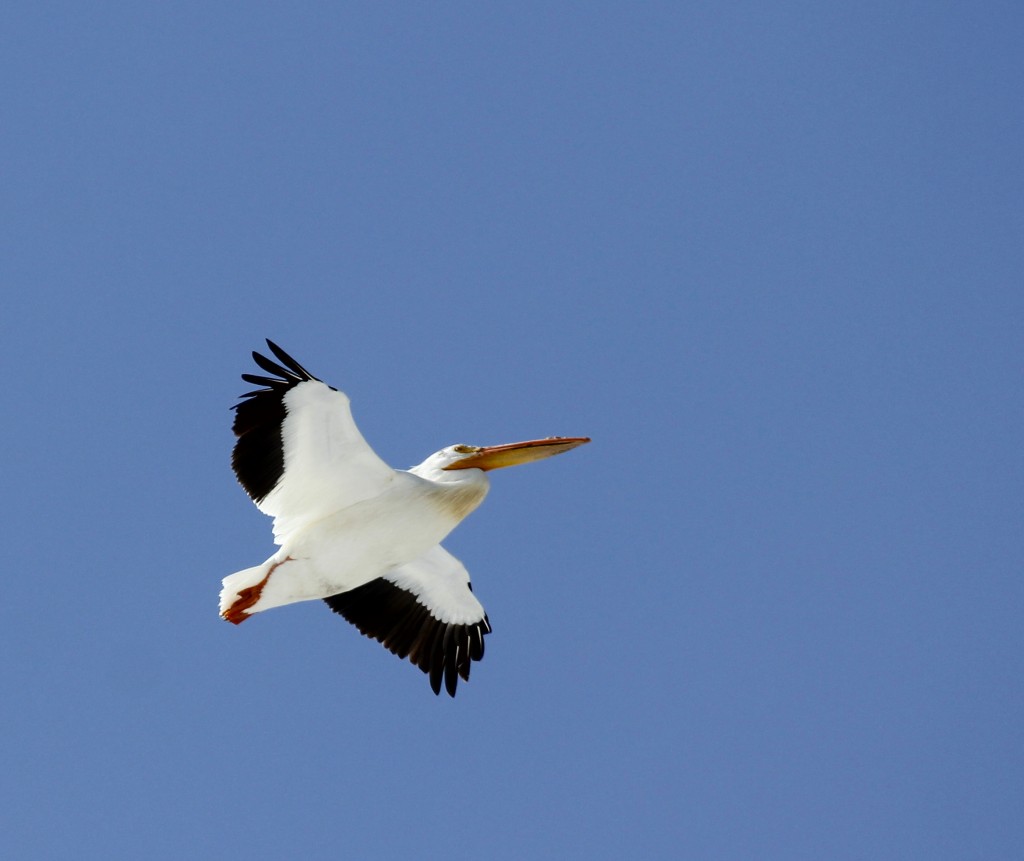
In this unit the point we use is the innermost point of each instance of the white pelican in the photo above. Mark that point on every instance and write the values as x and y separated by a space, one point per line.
362 536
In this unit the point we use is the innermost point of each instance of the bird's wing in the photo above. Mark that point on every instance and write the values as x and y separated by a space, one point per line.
299 454
424 610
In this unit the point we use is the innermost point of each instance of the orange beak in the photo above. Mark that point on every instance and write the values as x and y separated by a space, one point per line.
513 453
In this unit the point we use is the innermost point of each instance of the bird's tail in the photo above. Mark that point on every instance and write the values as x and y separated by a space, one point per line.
241 591
255 589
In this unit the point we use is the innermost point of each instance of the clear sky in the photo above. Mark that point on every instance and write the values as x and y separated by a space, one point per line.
769 256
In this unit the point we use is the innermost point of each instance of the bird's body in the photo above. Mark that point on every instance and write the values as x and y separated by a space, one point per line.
356 544
356 533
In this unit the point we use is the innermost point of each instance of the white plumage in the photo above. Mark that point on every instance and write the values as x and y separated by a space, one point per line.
356 533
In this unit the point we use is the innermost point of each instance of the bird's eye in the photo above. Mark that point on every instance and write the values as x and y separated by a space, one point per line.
465 449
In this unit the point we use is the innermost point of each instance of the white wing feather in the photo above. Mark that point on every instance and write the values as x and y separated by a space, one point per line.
441 583
328 465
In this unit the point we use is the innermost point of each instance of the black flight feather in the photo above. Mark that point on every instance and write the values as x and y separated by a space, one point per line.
394 617
258 457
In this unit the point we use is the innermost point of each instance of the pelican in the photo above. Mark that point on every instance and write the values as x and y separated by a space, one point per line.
356 533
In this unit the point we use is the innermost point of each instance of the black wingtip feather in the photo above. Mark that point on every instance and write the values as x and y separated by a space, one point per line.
258 456
450 655
256 380
272 367
392 616
436 666
289 362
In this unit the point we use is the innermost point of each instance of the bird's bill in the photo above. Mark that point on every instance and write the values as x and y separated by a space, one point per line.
514 453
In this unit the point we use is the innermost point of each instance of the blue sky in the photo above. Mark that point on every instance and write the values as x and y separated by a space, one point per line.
769 257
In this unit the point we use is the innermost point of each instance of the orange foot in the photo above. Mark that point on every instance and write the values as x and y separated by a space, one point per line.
247 597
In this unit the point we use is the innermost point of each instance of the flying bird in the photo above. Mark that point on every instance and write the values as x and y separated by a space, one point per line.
356 533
